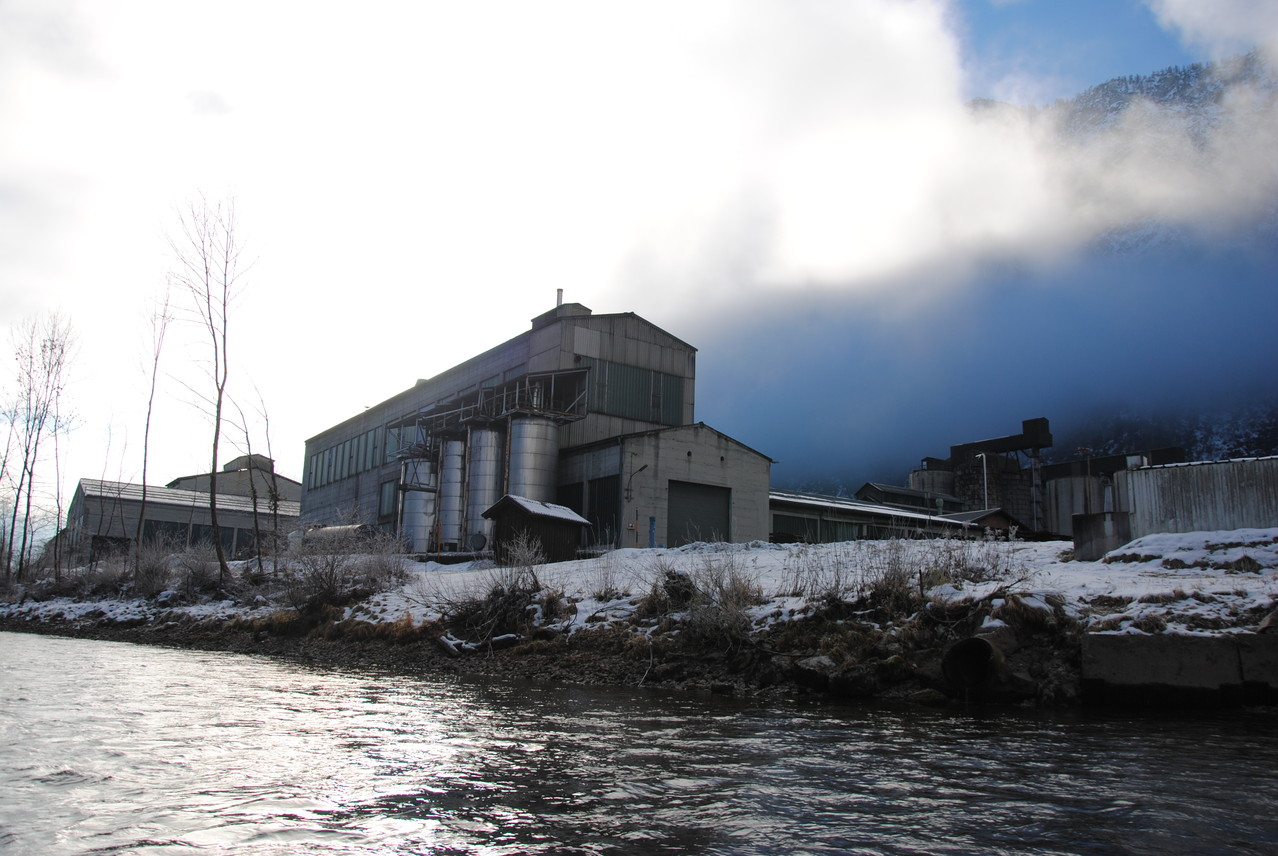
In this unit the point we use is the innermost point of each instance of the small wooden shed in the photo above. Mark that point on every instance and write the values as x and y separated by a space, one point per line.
556 529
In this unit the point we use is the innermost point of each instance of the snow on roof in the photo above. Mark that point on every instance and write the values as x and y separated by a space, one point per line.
537 508
859 506
1207 463
186 498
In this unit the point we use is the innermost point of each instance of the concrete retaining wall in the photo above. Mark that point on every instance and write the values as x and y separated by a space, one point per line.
1238 669
1097 534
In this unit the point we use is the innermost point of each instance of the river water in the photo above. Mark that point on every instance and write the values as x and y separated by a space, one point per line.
115 748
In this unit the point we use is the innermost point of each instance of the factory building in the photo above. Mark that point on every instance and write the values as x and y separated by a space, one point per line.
815 519
1002 472
591 412
254 502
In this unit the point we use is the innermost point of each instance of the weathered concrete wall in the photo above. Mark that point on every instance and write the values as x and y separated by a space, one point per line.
1235 669
1097 534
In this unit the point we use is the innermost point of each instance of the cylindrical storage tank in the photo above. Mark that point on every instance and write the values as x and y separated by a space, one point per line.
451 491
534 458
417 520
484 472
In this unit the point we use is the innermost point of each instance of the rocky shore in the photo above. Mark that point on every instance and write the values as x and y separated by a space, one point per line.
811 655
928 621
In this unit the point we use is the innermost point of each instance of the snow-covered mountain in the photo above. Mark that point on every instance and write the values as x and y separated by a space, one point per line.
1198 94
1206 434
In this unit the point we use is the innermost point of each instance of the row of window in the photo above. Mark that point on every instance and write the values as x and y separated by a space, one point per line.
351 457
236 542
614 388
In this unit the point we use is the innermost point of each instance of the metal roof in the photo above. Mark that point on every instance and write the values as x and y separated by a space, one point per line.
184 498
537 508
859 506
1207 463
909 491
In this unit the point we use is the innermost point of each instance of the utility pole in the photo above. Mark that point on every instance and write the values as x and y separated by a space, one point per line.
985 482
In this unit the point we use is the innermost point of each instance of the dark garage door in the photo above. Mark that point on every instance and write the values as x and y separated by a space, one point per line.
697 512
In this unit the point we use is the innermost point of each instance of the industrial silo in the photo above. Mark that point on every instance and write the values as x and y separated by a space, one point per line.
417 519
484 483
932 481
451 491
534 458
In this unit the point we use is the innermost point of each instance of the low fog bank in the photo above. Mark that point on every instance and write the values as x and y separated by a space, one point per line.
846 388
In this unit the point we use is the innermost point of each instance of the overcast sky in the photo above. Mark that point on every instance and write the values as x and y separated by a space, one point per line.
796 187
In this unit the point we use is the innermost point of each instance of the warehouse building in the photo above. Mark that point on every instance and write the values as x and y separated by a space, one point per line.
815 518
254 503
591 412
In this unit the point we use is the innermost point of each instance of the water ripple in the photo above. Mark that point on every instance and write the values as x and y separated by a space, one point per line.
111 748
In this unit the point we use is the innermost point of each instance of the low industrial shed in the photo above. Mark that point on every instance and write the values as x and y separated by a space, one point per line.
554 530
814 518
103 519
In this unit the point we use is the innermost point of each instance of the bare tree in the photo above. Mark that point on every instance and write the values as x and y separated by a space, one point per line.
42 349
10 416
207 256
159 319
273 488
62 424
252 485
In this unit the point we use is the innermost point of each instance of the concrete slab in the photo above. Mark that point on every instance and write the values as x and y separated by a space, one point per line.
1169 668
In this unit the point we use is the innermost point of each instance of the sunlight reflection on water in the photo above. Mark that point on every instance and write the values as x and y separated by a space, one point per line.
117 748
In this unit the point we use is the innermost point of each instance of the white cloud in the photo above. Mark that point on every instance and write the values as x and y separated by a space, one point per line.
1223 27
416 180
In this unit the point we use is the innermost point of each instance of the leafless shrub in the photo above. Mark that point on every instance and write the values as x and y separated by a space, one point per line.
1150 623
334 565
198 572
717 614
710 604
523 552
823 574
669 589
1029 615
106 578
604 584
508 599
319 575
151 568
381 561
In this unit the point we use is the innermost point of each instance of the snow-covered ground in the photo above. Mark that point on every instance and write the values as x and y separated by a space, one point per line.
1201 582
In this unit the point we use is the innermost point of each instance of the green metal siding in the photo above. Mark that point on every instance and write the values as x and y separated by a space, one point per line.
634 393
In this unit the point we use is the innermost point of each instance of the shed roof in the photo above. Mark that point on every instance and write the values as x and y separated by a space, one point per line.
859 506
97 488
900 490
982 514
537 508
672 429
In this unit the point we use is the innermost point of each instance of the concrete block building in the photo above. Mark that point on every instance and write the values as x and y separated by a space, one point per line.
592 412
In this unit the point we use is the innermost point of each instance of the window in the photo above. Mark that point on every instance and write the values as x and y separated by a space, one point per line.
164 533
392 444
202 536
386 499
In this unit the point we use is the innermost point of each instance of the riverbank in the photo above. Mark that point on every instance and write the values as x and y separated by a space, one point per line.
927 621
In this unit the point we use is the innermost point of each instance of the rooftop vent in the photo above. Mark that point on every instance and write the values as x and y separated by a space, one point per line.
563 310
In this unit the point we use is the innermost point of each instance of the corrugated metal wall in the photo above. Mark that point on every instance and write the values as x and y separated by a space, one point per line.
1239 494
